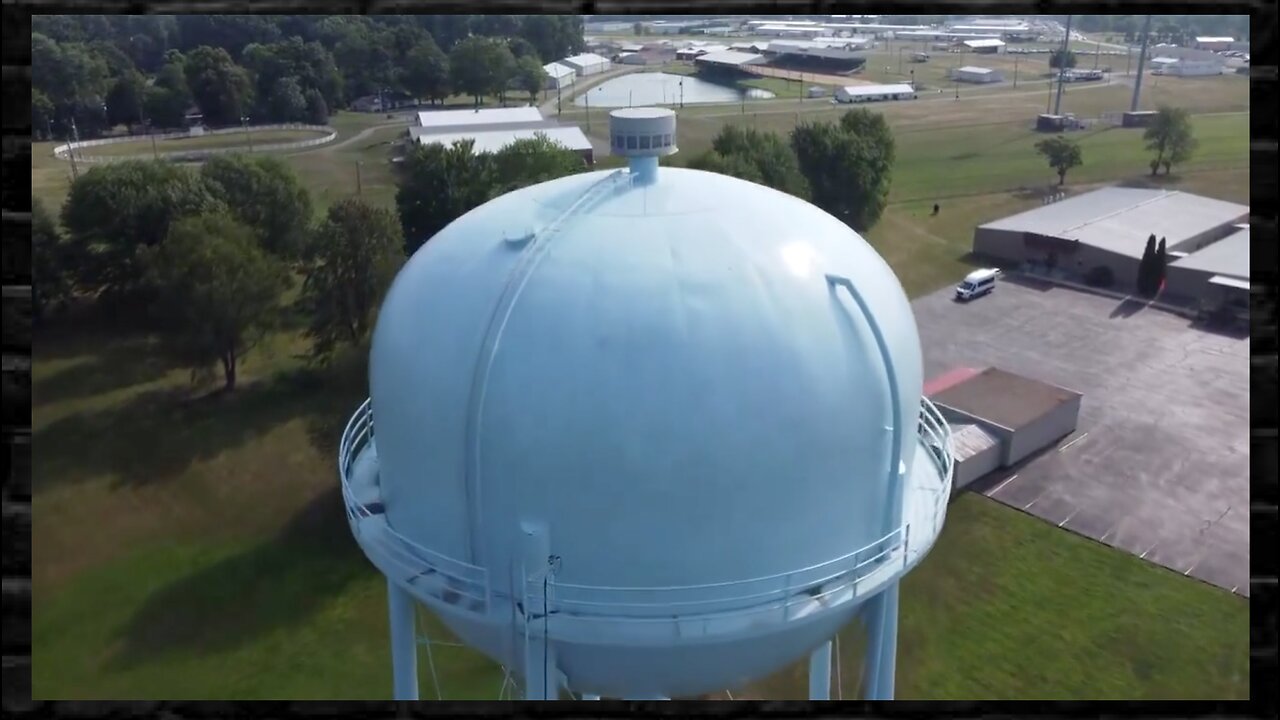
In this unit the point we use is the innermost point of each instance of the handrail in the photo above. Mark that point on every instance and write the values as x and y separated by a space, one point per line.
788 588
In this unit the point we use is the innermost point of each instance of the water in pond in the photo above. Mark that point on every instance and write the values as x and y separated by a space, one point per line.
639 89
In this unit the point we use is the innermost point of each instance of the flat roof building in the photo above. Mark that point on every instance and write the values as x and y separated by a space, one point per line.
558 75
873 93
587 64
974 74
1218 272
492 140
729 59
984 45
446 119
1104 232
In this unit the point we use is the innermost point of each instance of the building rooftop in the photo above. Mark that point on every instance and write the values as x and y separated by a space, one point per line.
480 116
984 42
730 57
969 439
878 89
1229 256
974 69
1120 219
584 60
1215 39
571 137
557 70
1002 398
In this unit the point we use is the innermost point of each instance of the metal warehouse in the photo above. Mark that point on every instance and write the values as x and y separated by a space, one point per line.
559 76
587 64
1217 273
998 419
446 120
971 73
984 45
493 140
1103 233
872 93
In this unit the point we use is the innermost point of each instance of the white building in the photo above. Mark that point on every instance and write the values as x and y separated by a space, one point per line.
559 76
587 64
448 120
874 93
984 45
973 74
1215 43
1193 68
493 140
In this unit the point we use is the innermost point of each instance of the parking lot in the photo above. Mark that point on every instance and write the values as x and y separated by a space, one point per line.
1159 462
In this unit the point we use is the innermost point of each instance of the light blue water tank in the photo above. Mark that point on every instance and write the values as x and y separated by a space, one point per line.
656 368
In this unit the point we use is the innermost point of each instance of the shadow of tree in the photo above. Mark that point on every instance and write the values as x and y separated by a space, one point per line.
1128 308
119 364
273 585
157 435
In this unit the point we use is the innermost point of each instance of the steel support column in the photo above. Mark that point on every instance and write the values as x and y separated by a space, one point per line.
404 643
882 644
820 672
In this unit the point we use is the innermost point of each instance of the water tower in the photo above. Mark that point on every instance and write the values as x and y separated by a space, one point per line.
646 433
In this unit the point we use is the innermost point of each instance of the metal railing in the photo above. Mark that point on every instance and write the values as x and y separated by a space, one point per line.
451 581
737 599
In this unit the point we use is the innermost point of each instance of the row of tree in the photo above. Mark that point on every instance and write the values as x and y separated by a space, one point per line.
844 167
205 256
1169 136
102 71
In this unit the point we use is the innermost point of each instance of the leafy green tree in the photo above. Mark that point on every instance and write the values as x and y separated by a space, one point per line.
530 77
51 272
115 209
849 165
165 108
309 63
757 156
317 109
529 162
264 194
480 66
1171 138
221 88
426 72
1062 154
42 115
440 184
553 36
353 256
125 100
1062 59
286 102
367 61
217 292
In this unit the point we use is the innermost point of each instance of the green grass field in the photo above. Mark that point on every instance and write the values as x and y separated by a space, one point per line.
198 549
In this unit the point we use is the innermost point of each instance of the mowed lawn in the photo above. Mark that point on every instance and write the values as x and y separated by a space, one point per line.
142 145
198 549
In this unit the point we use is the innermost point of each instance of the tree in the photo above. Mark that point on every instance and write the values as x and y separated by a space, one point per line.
286 102
1161 265
441 183
317 109
42 115
50 262
353 257
1146 266
265 194
530 77
115 209
1062 59
553 36
528 162
309 63
757 156
125 99
1170 137
220 87
481 66
426 72
165 108
848 164
217 292
1062 154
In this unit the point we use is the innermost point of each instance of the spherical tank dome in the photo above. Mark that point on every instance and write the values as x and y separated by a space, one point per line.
669 380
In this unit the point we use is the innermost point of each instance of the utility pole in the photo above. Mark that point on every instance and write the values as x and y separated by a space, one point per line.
1015 71
1097 54
587 96
1062 67
900 59
71 149
244 123
1142 59
359 187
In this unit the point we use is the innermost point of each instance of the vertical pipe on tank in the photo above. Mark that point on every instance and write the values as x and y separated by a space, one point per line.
882 644
539 654
820 672
644 169
404 643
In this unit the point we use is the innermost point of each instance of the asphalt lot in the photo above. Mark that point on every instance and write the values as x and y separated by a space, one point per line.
1159 462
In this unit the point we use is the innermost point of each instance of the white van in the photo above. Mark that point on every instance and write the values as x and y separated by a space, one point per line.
977 284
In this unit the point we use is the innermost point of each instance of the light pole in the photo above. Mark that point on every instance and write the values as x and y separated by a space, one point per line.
1015 71
244 123
900 59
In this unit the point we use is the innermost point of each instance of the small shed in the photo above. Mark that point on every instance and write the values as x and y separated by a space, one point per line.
975 74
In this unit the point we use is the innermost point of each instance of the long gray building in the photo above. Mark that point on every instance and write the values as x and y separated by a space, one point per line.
1105 231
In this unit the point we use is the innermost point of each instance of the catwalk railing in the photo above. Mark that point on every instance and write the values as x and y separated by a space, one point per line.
860 572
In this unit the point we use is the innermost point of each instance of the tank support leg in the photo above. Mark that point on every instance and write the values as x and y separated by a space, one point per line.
882 644
404 643
590 696
541 678
820 672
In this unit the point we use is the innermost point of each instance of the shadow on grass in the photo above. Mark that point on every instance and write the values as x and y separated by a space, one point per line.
277 584
157 435
119 364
